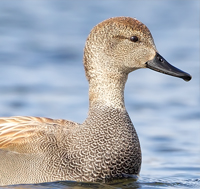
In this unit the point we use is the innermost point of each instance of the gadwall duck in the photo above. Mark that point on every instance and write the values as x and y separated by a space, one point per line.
105 146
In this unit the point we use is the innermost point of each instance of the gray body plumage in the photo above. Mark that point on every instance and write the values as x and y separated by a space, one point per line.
104 147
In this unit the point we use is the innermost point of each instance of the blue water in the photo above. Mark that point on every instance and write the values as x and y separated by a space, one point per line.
41 74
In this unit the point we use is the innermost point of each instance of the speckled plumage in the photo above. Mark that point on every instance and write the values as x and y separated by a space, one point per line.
105 146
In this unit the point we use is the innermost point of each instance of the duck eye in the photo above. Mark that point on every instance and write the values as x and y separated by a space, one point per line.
134 38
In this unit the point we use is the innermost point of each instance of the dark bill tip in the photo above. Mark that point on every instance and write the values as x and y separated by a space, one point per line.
159 64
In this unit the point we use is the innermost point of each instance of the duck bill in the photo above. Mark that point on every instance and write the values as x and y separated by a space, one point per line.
159 64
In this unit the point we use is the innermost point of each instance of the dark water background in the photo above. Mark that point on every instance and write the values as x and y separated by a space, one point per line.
41 74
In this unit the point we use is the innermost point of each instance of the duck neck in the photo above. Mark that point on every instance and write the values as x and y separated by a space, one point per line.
107 89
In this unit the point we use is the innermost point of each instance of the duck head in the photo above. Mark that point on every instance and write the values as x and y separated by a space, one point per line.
121 45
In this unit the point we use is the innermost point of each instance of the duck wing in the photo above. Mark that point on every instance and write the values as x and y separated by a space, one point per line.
23 134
